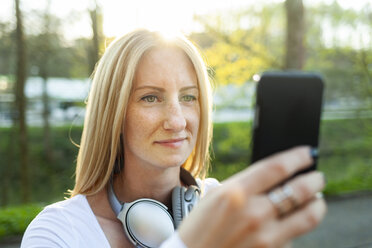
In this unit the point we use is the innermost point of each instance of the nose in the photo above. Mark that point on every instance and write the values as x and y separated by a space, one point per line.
174 117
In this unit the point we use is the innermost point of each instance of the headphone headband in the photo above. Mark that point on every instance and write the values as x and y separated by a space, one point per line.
117 205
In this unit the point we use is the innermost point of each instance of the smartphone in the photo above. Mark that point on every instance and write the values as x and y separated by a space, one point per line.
287 113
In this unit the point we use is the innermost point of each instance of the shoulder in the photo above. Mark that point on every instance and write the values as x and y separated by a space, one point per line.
207 184
61 224
53 226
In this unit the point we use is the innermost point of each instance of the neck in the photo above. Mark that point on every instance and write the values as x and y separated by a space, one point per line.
135 182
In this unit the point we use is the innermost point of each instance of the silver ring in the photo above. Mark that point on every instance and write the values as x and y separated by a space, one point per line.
283 200
319 195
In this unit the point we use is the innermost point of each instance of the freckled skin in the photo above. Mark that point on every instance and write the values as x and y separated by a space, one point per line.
162 122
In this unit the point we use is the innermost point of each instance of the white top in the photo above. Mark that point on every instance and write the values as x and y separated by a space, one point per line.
72 223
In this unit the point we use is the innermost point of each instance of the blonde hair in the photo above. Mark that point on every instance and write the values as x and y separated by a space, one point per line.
107 102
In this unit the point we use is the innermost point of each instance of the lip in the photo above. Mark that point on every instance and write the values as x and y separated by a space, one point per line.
172 143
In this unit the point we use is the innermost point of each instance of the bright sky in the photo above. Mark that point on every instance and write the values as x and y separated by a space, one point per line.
121 16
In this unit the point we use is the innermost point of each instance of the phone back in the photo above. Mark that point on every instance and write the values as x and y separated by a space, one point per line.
288 112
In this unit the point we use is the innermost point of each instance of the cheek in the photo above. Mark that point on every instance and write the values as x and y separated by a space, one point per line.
140 122
194 120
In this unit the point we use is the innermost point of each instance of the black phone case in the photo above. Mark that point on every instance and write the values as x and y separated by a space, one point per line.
287 114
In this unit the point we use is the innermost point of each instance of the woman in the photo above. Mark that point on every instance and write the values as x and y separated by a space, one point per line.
148 121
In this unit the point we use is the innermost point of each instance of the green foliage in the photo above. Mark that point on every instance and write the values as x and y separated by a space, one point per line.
241 43
231 148
14 220
345 156
251 40
226 60
347 174
48 56
7 48
48 181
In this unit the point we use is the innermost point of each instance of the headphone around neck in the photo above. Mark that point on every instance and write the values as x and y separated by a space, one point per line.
147 222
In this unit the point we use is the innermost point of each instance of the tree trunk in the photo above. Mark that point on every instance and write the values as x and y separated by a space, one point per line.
96 18
6 189
48 149
21 104
295 51
44 73
95 42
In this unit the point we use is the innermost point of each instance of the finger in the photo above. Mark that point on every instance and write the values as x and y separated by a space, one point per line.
306 186
301 221
258 227
285 199
255 213
279 233
288 245
266 173
259 215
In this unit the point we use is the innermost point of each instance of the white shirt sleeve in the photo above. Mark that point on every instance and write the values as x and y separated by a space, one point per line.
49 230
207 184
66 224
173 242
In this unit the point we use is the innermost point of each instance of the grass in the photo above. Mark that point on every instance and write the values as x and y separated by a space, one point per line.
14 220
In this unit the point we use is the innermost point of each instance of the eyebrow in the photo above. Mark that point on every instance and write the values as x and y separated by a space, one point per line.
162 89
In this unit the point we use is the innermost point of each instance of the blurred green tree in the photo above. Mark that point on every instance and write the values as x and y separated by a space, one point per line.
7 48
240 46
43 58
338 45
241 43
97 30
21 103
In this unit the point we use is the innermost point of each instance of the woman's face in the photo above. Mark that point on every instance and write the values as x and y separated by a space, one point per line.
163 112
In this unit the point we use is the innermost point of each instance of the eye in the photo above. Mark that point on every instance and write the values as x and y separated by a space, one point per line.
149 98
188 98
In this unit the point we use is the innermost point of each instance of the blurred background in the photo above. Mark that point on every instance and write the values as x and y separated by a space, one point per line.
48 49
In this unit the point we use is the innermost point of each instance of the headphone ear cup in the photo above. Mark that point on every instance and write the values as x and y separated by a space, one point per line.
146 222
178 210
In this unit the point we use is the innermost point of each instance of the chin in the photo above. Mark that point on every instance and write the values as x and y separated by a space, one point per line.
167 162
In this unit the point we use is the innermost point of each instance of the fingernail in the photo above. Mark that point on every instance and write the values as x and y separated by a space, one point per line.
314 152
